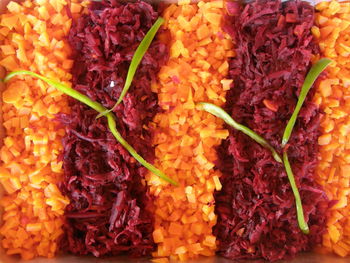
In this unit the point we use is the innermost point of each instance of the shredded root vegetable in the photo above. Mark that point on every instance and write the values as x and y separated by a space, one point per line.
332 32
186 138
32 37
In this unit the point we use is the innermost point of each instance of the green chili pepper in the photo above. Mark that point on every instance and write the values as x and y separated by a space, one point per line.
136 60
300 213
220 113
99 108
311 77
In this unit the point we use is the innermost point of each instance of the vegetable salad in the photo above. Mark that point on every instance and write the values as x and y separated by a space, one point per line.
175 131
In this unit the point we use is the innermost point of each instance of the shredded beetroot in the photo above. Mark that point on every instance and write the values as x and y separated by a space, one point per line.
256 207
110 209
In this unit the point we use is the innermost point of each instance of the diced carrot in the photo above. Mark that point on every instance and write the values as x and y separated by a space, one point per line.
43 13
185 138
8 50
340 250
184 2
158 236
325 139
32 139
326 31
160 260
316 32
331 31
33 227
75 8
175 229
9 20
217 182
181 250
202 32
213 18
342 202
270 105
4 173
14 7
9 62
333 233
210 241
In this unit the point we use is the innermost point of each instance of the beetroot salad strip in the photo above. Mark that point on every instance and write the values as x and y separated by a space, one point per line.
256 207
109 210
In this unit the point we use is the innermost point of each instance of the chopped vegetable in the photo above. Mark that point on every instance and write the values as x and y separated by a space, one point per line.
185 138
31 166
139 53
2 132
220 113
99 108
310 79
331 30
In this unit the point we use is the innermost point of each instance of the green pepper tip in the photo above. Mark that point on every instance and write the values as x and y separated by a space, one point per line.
277 157
310 79
306 230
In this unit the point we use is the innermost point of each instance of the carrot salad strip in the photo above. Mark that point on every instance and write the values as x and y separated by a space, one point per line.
332 31
1 118
32 37
186 138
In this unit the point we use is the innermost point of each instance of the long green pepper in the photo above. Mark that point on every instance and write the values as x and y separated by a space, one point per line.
99 108
310 79
299 206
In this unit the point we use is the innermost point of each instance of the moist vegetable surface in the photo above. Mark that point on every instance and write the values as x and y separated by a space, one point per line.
175 131
257 215
110 209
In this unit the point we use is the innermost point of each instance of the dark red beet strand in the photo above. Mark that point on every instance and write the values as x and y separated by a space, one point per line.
110 209
256 207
